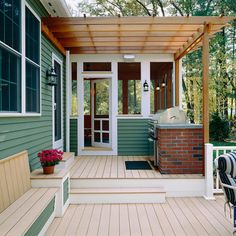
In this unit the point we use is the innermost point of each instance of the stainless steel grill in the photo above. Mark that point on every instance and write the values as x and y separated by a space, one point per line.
170 116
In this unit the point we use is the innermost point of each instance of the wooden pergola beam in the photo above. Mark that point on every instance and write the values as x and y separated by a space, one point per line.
177 82
191 43
52 39
193 20
205 75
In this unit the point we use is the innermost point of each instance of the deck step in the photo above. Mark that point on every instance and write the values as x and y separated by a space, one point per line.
117 195
67 160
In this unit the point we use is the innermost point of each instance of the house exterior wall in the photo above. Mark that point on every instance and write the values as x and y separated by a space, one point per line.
73 136
133 137
32 133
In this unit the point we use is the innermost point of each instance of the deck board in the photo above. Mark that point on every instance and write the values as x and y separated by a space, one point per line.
113 167
178 216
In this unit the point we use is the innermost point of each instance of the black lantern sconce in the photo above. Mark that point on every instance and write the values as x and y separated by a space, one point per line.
51 77
145 86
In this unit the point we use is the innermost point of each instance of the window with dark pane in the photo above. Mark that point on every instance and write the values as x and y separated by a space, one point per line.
10 23
32 62
32 88
161 92
129 88
32 36
10 81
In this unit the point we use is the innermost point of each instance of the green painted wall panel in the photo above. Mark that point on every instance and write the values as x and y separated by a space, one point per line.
133 137
33 133
73 136
65 190
38 225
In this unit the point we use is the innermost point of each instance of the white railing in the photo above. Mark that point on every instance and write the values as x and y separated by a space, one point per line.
217 151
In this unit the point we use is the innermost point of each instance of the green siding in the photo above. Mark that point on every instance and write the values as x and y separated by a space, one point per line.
65 190
38 225
73 136
133 137
32 133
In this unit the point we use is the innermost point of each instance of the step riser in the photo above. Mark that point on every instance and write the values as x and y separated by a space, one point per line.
107 198
173 187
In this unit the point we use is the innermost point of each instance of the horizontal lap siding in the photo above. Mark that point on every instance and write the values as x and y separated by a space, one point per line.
133 137
32 133
73 136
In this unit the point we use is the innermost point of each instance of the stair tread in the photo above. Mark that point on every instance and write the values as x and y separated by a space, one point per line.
117 190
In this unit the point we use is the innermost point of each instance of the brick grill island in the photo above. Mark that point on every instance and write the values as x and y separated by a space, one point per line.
180 148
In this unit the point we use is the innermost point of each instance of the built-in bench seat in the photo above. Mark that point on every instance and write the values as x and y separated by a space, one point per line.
23 210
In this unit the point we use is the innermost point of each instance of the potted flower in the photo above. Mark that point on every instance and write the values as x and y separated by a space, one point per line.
50 158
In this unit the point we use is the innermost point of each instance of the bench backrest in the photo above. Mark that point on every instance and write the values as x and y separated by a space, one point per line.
14 178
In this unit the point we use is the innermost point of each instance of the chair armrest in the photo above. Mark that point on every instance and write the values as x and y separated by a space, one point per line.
228 186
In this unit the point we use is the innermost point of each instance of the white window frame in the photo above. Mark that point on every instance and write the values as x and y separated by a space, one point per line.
23 112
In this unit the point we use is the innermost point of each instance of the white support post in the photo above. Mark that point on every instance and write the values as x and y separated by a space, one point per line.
68 99
145 75
180 84
209 172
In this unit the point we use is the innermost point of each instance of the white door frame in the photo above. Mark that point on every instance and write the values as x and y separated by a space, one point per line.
59 143
96 144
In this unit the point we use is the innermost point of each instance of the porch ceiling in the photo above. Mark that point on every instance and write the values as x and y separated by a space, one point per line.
115 35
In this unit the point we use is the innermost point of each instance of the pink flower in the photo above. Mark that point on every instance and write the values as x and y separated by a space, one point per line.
50 157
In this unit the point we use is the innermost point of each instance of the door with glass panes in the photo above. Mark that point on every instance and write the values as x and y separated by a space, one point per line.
101 113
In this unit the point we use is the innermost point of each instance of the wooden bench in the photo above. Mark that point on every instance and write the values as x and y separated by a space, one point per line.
23 210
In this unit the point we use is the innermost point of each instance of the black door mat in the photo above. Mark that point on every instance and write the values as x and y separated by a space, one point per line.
137 165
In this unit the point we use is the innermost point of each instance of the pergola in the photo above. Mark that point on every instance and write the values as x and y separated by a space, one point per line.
139 35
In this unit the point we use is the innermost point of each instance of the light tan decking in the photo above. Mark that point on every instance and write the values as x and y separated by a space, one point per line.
178 216
113 167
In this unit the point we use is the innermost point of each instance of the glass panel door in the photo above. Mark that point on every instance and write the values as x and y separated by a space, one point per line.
101 135
57 108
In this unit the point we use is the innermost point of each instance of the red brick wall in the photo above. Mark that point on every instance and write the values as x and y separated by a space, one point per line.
181 151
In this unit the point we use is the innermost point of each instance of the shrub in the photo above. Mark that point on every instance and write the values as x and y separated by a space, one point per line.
219 128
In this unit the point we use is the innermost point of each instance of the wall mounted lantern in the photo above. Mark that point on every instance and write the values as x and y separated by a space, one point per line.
51 77
145 86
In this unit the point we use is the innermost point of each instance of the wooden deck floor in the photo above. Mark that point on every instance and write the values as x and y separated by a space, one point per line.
114 167
178 216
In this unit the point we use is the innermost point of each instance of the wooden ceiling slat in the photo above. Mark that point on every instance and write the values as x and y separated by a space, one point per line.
78 51
125 39
122 34
125 28
121 43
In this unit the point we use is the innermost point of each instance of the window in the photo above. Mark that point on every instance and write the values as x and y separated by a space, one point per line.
97 66
10 22
10 56
12 60
129 88
32 62
74 103
161 86
10 80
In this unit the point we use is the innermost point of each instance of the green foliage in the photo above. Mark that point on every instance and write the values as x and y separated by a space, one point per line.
219 128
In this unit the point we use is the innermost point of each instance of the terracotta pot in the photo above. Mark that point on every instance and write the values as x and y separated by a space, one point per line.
47 170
